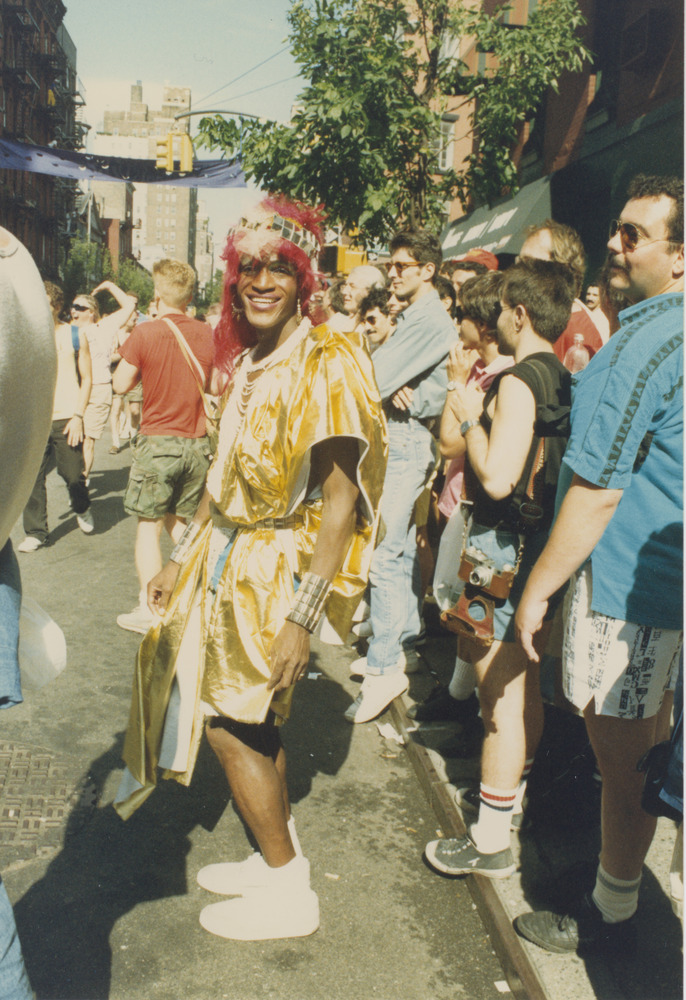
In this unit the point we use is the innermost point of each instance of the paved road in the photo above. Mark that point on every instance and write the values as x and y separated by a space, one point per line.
109 909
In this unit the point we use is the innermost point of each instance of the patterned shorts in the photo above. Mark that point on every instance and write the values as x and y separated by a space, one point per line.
625 669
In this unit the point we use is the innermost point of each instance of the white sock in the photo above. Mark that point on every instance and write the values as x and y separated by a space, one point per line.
293 875
294 838
463 681
521 790
616 898
491 832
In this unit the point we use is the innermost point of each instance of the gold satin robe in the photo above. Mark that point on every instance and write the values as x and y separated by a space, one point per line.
323 387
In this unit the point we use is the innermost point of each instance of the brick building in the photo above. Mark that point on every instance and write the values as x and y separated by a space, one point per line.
40 103
114 203
604 125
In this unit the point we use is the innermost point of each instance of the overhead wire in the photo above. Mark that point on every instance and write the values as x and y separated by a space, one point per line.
247 93
241 75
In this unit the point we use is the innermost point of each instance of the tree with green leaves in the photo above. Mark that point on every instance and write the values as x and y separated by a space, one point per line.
365 135
88 263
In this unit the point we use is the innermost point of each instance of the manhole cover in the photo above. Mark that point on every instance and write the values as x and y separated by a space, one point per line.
36 795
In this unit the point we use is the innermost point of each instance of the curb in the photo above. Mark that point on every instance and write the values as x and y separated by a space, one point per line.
521 974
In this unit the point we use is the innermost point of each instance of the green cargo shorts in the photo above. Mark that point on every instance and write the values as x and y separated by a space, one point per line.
167 476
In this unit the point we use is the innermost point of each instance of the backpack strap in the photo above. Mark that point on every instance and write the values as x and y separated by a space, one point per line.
193 364
76 344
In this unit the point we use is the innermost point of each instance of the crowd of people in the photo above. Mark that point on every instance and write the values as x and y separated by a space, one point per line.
470 430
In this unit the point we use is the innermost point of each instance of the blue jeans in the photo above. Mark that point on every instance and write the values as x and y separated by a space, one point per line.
10 603
394 576
14 983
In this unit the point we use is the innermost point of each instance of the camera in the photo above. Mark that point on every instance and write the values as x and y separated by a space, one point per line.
480 571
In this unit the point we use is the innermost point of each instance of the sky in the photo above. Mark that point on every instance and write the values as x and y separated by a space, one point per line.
201 44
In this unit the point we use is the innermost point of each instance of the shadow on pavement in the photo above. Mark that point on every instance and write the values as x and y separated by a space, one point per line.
107 867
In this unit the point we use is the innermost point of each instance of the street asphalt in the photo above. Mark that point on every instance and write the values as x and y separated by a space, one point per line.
107 909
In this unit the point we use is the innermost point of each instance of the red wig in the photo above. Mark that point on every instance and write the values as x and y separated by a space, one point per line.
233 333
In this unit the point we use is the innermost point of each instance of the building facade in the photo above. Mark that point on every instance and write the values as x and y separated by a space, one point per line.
621 115
41 101
165 216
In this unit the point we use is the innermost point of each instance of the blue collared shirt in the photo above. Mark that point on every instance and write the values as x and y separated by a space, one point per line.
416 354
627 433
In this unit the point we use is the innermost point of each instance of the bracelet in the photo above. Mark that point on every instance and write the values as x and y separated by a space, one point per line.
467 425
309 601
180 550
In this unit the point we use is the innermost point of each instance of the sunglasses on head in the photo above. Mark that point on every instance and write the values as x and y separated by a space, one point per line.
631 236
80 308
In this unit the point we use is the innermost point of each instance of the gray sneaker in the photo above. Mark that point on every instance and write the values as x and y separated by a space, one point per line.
461 857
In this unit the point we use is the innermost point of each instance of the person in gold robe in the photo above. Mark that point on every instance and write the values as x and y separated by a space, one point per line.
283 534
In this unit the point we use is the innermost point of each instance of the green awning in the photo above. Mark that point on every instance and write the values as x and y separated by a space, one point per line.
499 229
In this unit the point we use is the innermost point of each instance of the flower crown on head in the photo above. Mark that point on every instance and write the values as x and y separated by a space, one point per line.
264 230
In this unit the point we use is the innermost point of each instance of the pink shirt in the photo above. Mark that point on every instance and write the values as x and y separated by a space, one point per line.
480 375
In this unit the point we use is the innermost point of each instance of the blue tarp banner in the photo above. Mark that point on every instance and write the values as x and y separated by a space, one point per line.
87 166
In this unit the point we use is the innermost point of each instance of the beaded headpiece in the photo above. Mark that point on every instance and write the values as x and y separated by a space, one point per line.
263 231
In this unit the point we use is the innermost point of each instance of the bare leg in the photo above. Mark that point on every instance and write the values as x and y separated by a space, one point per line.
512 711
134 416
88 455
257 781
114 420
627 831
147 553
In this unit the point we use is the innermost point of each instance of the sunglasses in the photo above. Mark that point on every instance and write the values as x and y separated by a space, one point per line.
80 308
400 265
631 236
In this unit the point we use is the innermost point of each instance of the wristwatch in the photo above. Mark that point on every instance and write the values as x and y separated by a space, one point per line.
467 425
452 384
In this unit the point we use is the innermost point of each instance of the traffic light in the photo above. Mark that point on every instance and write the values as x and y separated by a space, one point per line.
165 153
186 154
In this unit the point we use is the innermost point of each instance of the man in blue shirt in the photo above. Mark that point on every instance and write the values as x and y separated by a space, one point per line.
414 357
618 535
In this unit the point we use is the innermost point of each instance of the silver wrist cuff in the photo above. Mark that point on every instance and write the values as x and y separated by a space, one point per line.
181 549
309 601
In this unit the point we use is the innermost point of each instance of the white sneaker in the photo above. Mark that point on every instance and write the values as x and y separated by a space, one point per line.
138 620
362 611
85 522
363 630
407 662
30 544
376 694
238 877
328 634
285 908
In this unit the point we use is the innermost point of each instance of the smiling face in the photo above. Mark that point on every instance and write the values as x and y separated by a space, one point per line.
268 291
